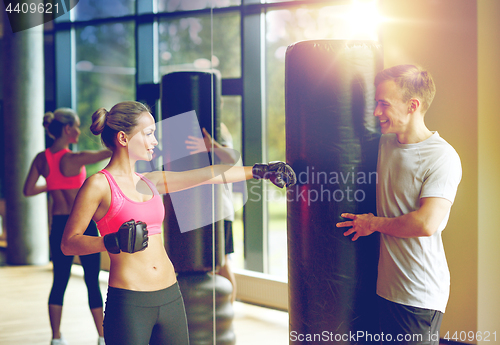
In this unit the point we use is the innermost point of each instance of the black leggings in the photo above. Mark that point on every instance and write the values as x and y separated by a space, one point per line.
62 265
145 317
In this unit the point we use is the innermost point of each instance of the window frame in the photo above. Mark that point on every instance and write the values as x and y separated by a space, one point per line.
250 86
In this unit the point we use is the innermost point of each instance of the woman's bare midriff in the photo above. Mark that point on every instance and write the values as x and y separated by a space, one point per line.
147 270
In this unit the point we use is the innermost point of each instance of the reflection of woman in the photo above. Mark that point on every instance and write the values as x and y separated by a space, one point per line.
144 304
226 155
64 172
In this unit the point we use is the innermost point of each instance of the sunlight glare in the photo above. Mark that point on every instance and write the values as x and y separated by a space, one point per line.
363 19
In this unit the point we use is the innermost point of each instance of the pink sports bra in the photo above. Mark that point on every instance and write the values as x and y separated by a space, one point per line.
122 209
55 179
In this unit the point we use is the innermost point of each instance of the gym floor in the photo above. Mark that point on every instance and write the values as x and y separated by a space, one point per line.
24 291
24 318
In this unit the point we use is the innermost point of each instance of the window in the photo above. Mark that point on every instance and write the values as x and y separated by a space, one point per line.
105 73
186 43
190 5
283 28
246 40
95 9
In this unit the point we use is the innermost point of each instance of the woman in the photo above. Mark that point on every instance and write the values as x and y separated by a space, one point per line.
64 172
144 304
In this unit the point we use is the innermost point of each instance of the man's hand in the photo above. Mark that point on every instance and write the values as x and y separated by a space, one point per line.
361 224
197 145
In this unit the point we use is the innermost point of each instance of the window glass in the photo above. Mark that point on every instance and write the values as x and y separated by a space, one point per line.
50 73
105 74
231 117
185 43
271 1
94 9
190 5
285 27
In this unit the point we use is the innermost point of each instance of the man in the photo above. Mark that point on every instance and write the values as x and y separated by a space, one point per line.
418 175
225 155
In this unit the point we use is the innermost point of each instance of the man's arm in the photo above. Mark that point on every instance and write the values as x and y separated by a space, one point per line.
420 223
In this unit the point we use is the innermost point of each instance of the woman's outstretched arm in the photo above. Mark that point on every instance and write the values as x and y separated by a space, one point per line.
89 157
279 173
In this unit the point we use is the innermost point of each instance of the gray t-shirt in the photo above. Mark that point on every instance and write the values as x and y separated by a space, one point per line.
226 140
414 271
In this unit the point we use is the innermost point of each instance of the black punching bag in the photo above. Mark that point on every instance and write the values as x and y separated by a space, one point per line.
183 92
332 144
193 243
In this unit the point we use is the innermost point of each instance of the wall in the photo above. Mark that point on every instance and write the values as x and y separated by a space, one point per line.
441 35
489 166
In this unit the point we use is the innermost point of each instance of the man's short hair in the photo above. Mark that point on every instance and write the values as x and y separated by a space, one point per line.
414 82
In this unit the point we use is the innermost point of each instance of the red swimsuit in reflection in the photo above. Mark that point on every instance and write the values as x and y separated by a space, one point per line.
56 180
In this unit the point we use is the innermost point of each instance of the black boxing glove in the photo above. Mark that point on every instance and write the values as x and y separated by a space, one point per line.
279 173
131 237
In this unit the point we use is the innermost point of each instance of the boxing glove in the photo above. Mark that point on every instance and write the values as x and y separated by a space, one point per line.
131 237
279 173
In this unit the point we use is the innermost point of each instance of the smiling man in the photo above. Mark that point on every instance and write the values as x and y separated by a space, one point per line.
418 177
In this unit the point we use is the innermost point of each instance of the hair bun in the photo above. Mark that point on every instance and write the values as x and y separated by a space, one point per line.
98 121
47 119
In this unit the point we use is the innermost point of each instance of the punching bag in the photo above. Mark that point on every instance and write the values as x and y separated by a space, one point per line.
332 144
190 96
193 226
